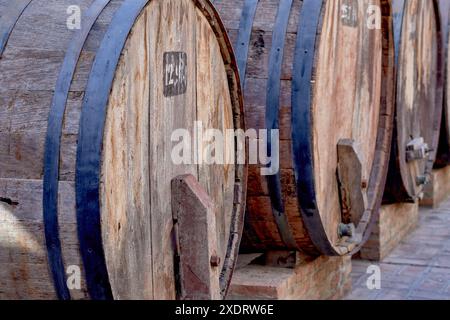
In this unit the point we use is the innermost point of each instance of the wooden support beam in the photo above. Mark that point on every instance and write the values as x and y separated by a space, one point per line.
196 242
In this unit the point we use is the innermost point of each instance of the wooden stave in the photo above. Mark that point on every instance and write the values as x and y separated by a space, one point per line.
237 220
317 245
399 187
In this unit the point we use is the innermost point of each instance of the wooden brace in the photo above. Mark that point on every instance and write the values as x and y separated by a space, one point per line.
198 264
353 189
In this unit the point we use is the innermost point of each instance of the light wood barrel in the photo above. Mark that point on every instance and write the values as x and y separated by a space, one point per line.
318 71
418 98
86 118
443 154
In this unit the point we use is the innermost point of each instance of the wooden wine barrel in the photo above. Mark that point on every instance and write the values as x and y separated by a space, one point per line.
443 154
86 118
320 72
418 98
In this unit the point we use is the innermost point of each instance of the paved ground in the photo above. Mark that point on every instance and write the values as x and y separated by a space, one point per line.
419 269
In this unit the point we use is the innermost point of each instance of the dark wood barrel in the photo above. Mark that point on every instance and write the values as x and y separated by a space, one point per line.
86 118
443 154
418 98
320 72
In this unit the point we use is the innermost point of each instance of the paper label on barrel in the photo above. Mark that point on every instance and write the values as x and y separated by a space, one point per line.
175 73
349 13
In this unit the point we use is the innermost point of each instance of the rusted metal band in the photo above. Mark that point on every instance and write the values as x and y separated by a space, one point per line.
241 47
272 117
242 44
93 117
53 148
8 19
302 123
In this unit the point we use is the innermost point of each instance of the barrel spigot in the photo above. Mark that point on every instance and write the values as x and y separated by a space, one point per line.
422 180
417 149
346 230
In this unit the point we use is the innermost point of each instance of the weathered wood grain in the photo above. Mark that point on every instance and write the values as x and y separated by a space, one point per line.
22 242
137 169
352 98
343 56
418 99
126 214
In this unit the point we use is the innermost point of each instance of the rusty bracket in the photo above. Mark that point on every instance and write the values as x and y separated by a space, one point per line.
197 262
353 190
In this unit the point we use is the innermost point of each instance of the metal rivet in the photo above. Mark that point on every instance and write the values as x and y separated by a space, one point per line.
215 261
364 184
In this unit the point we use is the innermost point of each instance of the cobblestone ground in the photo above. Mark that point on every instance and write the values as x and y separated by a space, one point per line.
418 269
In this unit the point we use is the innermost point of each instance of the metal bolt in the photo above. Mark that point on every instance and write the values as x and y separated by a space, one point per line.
214 261
364 184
